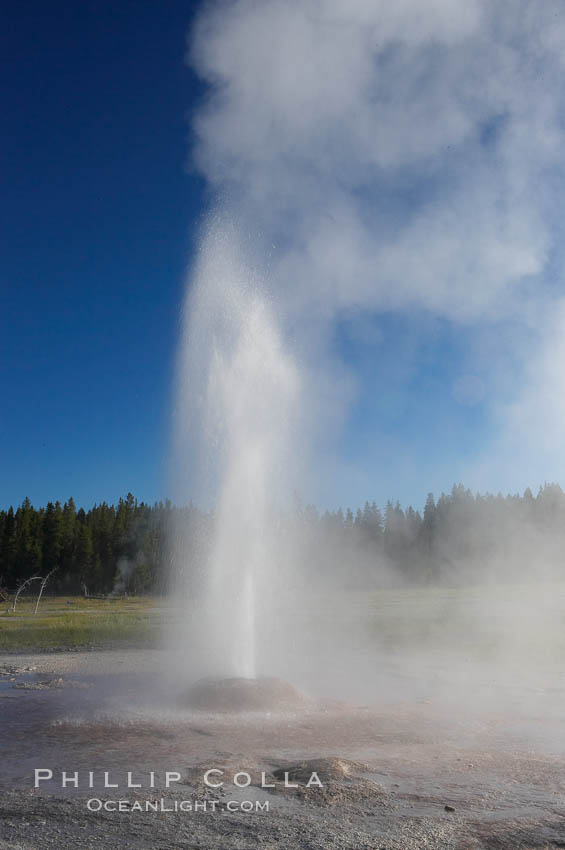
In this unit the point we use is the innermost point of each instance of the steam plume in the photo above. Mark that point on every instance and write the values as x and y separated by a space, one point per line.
397 157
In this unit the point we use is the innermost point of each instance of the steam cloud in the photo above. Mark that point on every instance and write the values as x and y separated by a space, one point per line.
402 157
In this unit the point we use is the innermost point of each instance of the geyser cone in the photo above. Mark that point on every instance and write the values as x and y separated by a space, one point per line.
244 694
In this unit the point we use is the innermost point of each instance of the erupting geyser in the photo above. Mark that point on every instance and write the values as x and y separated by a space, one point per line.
237 393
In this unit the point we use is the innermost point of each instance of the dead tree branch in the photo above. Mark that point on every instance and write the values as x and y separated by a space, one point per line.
22 586
43 583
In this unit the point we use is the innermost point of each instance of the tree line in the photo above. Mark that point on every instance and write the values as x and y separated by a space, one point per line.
126 548
109 547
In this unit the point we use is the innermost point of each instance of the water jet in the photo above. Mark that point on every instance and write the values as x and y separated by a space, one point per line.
237 391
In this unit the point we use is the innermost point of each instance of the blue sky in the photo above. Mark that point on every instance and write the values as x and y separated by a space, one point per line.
395 213
98 217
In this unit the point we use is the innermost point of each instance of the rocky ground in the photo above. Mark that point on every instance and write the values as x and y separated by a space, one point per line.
398 776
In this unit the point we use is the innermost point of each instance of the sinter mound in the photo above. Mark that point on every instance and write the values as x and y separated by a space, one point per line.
263 694
327 769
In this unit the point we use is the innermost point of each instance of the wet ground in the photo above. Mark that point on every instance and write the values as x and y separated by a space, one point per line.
405 769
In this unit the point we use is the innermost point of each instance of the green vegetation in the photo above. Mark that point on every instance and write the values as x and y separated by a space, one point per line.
67 623
107 548
459 539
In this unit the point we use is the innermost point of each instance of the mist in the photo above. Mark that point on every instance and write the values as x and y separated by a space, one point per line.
400 159
367 161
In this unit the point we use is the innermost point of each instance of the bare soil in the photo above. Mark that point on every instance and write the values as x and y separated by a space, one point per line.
401 775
